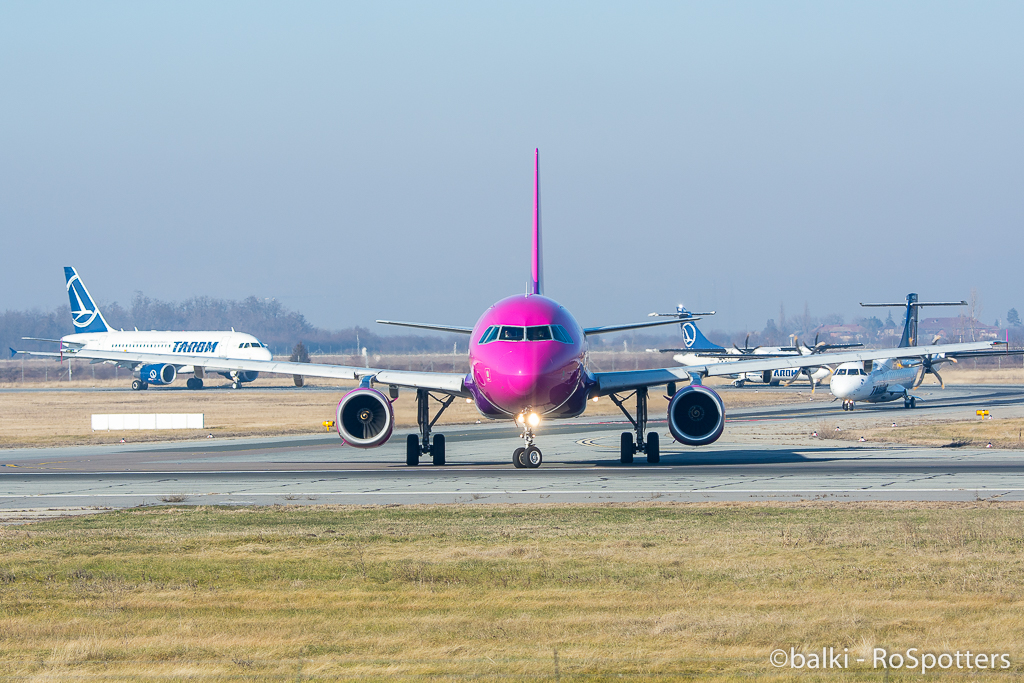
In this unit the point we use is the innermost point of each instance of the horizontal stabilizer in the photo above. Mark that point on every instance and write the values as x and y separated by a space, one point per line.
631 326
430 326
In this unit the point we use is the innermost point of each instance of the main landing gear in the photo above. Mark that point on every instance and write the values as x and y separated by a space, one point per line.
630 444
528 456
415 445
194 383
139 385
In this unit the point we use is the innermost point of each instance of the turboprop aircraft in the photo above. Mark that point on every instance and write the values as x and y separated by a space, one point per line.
206 351
528 359
699 350
893 379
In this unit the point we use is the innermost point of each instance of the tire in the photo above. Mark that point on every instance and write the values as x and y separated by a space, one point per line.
437 449
913 402
653 448
136 385
236 385
532 457
194 383
517 455
145 385
412 450
626 448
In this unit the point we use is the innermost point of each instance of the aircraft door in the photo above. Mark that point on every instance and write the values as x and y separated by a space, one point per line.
224 347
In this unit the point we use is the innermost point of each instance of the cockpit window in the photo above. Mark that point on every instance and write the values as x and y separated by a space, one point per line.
510 333
538 333
532 333
560 334
841 371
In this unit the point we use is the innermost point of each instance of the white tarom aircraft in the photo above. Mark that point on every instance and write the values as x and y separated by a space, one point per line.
206 352
699 350
892 379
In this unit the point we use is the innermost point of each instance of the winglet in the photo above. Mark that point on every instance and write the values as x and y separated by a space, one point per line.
538 263
13 352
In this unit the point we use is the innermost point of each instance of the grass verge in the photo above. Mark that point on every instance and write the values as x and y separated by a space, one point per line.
643 592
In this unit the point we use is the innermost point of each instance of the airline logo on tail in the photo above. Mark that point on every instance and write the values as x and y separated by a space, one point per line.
84 313
689 334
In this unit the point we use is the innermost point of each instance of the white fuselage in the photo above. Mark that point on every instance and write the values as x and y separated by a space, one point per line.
214 345
775 376
888 381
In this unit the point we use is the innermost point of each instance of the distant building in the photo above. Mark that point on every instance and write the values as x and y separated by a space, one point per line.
843 333
950 330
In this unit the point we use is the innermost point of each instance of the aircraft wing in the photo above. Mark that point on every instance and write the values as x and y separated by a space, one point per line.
430 326
447 382
611 382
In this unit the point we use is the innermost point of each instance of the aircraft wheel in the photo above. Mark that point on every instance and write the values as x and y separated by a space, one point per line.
913 402
517 456
412 450
236 384
532 457
136 385
846 406
437 449
906 403
194 383
626 448
653 448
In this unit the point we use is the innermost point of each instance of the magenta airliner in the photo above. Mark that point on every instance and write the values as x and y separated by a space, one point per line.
528 363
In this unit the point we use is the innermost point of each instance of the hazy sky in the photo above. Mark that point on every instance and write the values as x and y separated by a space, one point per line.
370 160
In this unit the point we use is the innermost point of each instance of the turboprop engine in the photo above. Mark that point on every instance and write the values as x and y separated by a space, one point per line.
160 373
365 418
696 416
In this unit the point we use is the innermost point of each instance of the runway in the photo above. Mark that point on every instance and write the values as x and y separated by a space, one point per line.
758 458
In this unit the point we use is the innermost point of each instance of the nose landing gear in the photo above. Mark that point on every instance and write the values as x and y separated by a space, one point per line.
847 405
530 456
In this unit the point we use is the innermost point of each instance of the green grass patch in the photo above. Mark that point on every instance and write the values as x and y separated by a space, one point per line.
645 592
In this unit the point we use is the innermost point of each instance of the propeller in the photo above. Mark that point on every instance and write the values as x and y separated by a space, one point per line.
928 366
746 350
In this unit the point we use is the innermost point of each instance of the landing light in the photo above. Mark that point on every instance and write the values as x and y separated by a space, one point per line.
534 419
469 400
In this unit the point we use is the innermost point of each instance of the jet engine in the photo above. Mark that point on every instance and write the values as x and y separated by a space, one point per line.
159 373
365 418
696 416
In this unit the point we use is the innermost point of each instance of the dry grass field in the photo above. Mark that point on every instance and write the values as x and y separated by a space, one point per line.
59 418
576 593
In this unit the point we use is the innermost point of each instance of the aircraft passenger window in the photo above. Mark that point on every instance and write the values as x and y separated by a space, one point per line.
509 333
560 334
538 333
489 335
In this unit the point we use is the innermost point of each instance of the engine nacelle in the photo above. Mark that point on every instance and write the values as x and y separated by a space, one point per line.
365 418
248 376
158 373
696 416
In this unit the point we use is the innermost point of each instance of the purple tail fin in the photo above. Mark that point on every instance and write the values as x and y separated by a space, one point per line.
538 262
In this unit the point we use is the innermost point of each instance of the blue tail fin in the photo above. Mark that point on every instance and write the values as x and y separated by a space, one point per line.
84 313
695 340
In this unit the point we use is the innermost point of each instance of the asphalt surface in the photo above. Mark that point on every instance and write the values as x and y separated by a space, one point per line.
762 456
